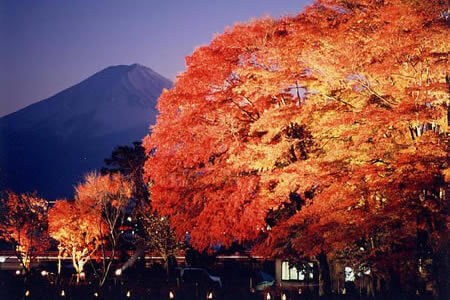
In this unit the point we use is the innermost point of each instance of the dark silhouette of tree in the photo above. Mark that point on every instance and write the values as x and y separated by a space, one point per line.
129 161
153 230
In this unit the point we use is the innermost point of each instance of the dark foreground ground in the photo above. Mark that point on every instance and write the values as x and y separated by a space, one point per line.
13 287
152 283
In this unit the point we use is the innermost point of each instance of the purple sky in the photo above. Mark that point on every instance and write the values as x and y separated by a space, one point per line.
49 45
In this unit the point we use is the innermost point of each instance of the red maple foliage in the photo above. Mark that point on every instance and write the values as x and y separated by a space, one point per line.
90 226
77 228
23 224
108 196
311 134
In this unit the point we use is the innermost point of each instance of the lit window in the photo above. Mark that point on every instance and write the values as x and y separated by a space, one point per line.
349 274
293 273
290 272
301 275
284 270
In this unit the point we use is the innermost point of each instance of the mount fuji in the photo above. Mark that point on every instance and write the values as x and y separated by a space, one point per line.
48 146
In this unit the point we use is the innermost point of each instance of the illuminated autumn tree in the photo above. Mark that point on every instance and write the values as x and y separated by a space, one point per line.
23 224
78 228
158 234
109 196
313 133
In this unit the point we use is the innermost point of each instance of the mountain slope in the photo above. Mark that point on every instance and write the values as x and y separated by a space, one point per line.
49 145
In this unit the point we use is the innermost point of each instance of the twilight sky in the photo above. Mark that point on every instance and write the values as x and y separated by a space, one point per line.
49 45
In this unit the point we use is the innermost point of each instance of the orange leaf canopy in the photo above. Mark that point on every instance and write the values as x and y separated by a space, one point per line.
310 132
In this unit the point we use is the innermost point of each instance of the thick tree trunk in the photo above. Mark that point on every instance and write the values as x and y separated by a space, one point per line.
441 271
77 264
395 287
324 275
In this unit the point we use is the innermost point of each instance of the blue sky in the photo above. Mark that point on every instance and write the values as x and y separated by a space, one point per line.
49 45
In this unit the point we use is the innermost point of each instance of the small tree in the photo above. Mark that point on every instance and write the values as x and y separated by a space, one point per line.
23 224
158 235
78 228
109 196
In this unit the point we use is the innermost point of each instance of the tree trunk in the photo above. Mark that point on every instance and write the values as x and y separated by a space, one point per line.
441 257
370 292
75 265
379 287
108 267
395 287
440 272
59 260
166 266
324 275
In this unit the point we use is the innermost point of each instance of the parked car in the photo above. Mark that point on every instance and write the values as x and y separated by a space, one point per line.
195 283
263 281
200 276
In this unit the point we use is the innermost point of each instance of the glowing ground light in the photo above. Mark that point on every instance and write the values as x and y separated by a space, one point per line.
63 293
44 273
268 296
128 294
27 293
210 295
18 272
171 295
283 296
118 272
96 294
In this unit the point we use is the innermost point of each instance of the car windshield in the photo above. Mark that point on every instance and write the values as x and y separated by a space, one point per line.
262 276
194 275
